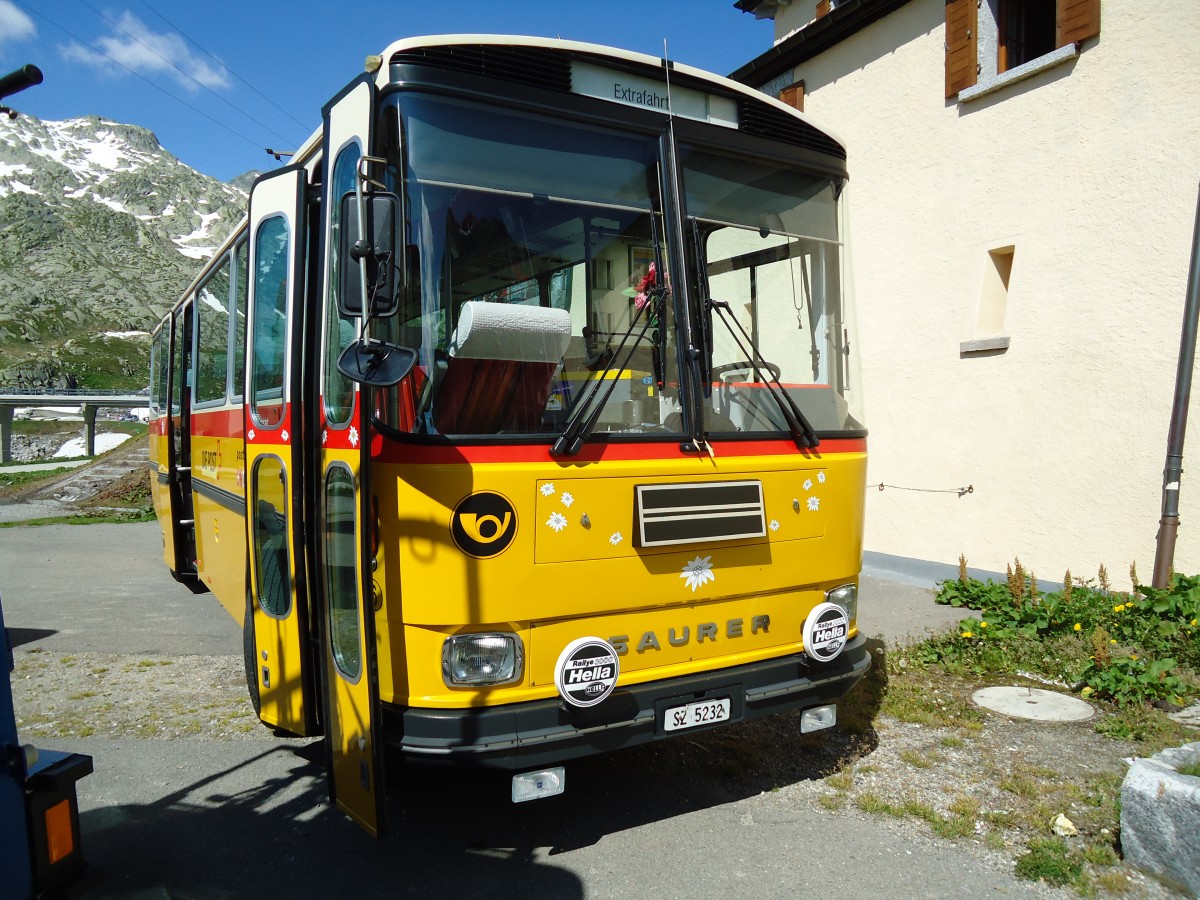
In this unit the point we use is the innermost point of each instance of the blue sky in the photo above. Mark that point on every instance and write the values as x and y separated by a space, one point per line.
219 80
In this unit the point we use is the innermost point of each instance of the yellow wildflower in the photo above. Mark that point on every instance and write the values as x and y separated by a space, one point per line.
983 624
1078 627
1193 623
967 634
1112 641
1133 656
1120 607
1129 605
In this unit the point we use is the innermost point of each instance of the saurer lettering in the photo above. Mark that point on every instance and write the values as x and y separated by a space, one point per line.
704 631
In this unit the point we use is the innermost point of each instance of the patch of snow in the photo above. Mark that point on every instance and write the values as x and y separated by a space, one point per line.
197 252
111 204
14 169
21 188
78 446
124 334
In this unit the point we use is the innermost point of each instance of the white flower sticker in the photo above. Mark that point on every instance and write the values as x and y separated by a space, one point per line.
615 538
774 526
249 434
698 571
808 484
814 503
547 489
286 437
567 499
353 436
324 436
557 521
821 477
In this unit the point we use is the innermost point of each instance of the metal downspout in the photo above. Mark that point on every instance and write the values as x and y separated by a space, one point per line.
1168 525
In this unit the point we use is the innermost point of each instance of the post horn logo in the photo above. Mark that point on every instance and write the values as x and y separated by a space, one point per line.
483 524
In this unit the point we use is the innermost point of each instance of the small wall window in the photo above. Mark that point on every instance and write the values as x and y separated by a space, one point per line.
993 304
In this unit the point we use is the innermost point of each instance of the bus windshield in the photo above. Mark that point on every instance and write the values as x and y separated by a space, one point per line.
767 238
530 247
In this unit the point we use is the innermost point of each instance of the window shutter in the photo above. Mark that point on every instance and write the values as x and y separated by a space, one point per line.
1078 20
793 95
962 29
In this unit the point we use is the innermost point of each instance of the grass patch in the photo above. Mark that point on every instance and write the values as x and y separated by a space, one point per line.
92 518
1050 860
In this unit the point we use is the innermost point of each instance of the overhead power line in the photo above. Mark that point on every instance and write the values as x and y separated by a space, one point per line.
306 128
159 88
187 75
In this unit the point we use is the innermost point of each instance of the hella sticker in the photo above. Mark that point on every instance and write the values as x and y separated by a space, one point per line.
586 671
825 632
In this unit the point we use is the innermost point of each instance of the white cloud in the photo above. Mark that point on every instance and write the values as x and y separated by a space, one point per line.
14 24
136 47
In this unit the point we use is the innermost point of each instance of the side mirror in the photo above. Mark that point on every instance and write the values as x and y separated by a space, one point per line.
376 363
376 255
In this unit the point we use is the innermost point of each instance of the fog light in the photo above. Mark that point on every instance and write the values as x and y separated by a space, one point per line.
846 597
536 785
817 718
482 659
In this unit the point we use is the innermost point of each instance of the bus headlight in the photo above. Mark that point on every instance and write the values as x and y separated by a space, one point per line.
846 597
482 659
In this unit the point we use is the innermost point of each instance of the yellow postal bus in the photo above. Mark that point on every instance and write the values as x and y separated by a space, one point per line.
520 418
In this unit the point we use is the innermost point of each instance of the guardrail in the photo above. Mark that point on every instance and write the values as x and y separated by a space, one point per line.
69 392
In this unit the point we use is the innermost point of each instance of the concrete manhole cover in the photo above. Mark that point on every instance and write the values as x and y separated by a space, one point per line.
1033 703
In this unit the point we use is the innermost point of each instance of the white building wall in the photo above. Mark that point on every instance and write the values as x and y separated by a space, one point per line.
1090 170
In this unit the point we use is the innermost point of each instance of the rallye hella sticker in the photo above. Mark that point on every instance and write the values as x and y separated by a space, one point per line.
483 524
825 632
586 671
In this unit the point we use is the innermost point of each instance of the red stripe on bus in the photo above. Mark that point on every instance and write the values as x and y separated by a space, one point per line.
397 452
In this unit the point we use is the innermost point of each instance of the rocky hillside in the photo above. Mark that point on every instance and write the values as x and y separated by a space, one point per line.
100 230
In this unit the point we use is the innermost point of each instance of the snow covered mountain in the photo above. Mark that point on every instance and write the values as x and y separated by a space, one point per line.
100 230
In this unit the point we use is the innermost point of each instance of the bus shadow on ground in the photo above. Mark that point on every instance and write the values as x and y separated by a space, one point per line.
263 826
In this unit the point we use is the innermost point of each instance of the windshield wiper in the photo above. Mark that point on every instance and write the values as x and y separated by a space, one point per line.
802 432
587 411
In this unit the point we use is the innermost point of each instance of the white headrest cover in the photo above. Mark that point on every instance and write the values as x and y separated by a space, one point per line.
511 331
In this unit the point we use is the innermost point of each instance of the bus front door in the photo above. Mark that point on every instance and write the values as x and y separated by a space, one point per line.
350 674
183 524
277 625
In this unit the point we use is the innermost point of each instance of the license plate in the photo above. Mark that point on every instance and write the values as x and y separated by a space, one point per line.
693 715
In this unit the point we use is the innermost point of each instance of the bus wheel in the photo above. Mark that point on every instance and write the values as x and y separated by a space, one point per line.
248 654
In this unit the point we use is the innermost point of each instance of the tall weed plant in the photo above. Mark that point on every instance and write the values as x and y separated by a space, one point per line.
1140 646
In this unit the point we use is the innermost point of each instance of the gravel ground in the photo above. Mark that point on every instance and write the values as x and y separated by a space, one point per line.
979 781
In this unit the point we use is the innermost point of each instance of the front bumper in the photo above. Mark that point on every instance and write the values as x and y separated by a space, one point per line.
545 732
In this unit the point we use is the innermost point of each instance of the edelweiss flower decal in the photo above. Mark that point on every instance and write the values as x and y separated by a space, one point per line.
249 434
615 538
557 521
698 571
286 437
821 477
324 436
808 484
567 499
814 503
774 526
353 436
547 489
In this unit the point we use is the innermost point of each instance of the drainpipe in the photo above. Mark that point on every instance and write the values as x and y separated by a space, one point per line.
1168 525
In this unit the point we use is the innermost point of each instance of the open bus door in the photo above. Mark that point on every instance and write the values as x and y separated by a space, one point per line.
350 673
179 439
277 598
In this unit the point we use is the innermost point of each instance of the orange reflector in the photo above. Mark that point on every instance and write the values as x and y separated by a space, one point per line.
60 842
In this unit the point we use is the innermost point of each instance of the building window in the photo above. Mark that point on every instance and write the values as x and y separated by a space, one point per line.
995 42
1026 31
793 95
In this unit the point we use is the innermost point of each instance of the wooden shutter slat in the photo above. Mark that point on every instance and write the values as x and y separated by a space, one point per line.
961 45
793 95
1078 20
